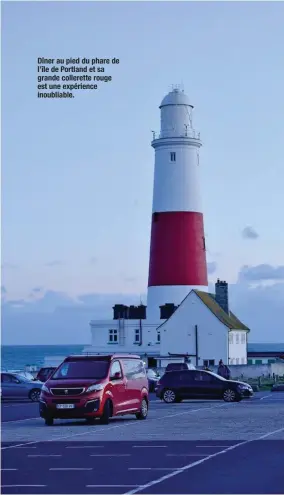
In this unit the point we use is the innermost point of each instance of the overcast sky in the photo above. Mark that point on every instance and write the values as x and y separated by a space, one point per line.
77 174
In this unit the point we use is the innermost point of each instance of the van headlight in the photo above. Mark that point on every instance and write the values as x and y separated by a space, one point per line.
95 388
45 389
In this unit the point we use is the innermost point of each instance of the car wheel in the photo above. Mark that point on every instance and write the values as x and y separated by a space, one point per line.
169 396
49 421
35 394
143 413
104 419
229 395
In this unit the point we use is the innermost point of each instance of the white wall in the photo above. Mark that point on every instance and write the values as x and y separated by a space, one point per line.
100 337
178 333
237 347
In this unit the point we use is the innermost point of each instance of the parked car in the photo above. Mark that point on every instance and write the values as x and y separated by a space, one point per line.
93 387
44 373
16 386
153 378
192 384
179 366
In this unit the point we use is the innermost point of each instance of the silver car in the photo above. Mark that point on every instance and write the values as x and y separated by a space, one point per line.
16 386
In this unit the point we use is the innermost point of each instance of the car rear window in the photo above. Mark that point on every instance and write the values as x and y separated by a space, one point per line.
82 369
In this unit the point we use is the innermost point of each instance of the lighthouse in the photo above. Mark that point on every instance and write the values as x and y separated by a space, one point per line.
177 250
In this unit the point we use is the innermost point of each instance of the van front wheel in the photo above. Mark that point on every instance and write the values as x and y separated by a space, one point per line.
143 413
104 419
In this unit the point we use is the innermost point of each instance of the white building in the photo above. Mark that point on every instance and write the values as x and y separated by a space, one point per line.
199 327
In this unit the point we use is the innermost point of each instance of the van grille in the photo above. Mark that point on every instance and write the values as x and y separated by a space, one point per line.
65 401
65 392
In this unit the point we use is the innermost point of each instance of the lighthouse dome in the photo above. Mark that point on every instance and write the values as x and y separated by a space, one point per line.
176 97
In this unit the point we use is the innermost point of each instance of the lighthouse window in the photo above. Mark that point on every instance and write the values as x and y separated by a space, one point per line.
173 157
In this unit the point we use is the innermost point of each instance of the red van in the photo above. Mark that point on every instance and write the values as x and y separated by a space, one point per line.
93 387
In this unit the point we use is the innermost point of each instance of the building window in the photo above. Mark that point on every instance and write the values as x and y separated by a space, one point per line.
270 361
237 338
237 360
231 338
173 157
158 337
137 336
232 360
250 361
243 360
243 338
113 336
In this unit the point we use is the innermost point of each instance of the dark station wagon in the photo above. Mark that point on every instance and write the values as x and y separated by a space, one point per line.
175 386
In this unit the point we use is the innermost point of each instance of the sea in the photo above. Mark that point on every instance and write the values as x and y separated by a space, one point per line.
16 357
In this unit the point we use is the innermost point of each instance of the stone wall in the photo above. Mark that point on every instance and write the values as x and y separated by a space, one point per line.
250 370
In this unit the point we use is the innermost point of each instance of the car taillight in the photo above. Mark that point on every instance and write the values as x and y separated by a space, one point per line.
158 383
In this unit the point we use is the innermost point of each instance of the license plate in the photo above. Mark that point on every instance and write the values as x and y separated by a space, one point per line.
65 406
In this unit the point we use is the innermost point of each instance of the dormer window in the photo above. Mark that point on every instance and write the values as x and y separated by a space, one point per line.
173 157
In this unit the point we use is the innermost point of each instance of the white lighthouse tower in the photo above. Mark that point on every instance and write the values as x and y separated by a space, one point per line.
177 252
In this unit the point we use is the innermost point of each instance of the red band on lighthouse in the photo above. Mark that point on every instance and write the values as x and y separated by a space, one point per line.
177 252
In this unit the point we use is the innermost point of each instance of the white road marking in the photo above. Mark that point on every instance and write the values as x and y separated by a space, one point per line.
153 469
18 420
140 488
149 446
85 447
211 446
24 447
110 455
110 486
71 469
45 455
265 397
123 425
23 486
9 469
186 455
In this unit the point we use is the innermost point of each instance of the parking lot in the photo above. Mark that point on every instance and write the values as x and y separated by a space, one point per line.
192 447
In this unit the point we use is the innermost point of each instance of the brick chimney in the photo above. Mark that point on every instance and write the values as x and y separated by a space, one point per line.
221 295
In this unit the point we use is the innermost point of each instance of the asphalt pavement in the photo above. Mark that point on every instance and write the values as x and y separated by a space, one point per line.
193 447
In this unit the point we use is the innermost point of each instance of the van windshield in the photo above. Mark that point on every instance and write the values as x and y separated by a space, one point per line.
82 369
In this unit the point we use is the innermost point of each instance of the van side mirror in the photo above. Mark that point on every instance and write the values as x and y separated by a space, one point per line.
116 376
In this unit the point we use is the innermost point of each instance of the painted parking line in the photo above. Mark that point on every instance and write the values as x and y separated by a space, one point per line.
70 469
19 420
85 447
45 455
152 469
111 486
23 486
110 455
123 425
149 446
140 488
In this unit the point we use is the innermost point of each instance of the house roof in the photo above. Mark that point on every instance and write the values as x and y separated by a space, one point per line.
230 320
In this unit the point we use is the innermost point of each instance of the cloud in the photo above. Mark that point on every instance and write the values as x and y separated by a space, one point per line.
211 267
262 272
93 260
54 263
9 266
3 291
37 289
54 317
249 233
